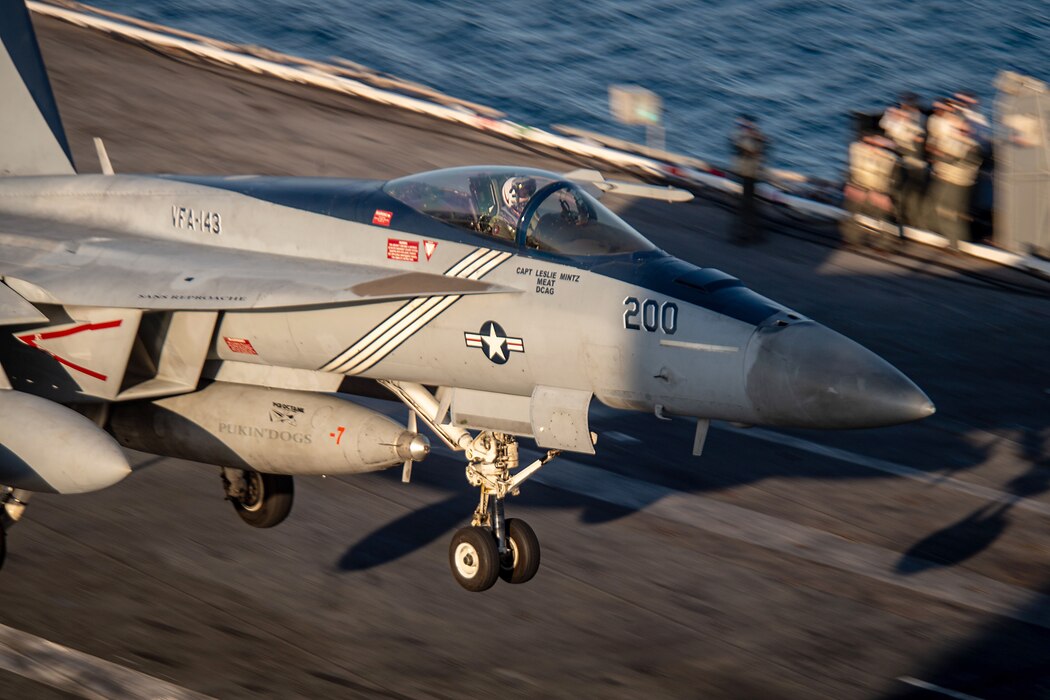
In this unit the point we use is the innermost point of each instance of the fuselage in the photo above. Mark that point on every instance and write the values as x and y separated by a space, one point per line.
639 330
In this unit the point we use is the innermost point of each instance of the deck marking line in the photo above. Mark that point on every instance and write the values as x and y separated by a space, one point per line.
81 674
936 688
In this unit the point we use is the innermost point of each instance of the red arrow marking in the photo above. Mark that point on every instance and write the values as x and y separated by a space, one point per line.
32 339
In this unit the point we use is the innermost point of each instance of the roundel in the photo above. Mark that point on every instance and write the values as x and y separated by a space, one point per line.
494 342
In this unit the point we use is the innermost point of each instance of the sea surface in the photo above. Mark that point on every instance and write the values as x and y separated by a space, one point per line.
800 67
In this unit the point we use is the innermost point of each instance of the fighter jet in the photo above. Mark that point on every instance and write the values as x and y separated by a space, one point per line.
227 320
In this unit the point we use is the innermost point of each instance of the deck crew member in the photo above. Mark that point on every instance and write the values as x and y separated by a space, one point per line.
969 106
981 198
749 147
874 170
938 126
956 164
903 124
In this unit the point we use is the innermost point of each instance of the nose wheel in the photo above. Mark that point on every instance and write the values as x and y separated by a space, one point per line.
495 547
474 559
522 559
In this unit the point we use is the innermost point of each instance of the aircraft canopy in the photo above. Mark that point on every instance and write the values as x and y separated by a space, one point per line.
532 208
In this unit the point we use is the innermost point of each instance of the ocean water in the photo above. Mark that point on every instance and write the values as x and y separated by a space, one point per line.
799 66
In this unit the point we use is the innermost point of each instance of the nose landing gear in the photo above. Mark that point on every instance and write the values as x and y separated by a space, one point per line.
494 547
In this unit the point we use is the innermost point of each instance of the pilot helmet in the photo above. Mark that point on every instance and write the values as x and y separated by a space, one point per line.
518 190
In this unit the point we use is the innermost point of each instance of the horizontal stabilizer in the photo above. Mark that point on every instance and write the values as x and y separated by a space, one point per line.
14 310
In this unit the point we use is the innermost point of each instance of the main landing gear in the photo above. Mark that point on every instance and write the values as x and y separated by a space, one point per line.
262 500
493 546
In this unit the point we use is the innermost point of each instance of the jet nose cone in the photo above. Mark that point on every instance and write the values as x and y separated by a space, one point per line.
808 376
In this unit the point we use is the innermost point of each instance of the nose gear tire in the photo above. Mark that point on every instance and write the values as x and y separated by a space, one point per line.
522 561
474 558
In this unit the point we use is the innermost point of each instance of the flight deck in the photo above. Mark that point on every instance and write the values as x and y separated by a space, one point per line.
901 562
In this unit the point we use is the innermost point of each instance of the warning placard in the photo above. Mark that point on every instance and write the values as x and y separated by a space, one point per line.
241 345
405 251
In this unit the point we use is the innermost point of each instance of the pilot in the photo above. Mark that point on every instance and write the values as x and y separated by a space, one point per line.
515 195
517 191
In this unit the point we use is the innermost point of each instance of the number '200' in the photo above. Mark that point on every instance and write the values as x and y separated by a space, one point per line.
650 315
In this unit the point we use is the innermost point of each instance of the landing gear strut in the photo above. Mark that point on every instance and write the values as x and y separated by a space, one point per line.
493 546
262 500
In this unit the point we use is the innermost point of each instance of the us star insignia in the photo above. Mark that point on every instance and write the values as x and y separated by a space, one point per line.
494 342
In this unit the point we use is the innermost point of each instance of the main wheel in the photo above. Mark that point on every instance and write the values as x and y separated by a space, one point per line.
267 499
474 558
522 561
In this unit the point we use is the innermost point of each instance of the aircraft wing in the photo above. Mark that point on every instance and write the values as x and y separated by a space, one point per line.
52 262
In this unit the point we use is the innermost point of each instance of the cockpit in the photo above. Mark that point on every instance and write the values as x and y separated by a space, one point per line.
535 209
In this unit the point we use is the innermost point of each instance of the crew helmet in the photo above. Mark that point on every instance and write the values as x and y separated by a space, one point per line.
518 190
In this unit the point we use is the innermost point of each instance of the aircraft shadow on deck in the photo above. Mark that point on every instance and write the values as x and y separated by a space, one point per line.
1006 660
964 539
717 470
